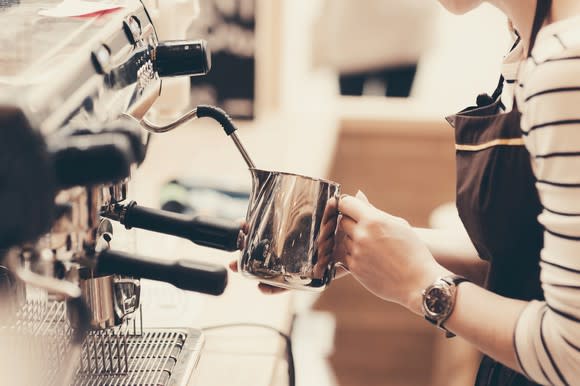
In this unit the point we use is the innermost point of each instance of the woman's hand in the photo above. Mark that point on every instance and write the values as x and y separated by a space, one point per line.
264 288
384 253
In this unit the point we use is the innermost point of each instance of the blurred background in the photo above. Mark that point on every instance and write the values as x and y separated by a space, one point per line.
356 92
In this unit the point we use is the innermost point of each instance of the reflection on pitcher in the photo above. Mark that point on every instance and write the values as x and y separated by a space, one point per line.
291 224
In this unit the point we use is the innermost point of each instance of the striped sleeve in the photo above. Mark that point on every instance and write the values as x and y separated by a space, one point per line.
547 335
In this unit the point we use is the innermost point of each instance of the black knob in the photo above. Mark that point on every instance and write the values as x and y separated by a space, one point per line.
92 159
124 125
181 57
27 184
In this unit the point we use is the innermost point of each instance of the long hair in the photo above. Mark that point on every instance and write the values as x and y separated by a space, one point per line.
543 8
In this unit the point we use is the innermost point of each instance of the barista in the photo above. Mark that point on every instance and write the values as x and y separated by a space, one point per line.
518 156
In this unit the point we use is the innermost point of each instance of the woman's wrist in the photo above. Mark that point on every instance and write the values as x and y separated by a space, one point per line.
453 249
414 300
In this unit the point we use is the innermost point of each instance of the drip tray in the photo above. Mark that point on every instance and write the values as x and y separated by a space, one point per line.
157 357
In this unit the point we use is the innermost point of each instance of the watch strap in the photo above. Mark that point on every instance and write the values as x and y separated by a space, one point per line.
453 280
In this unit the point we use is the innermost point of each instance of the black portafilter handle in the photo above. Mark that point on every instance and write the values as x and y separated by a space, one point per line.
92 159
202 230
185 274
182 57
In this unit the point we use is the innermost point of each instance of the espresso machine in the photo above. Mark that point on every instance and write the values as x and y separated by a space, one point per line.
74 93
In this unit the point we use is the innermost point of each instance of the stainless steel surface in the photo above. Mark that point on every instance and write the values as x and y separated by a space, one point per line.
133 26
37 336
106 352
35 344
46 68
72 232
242 150
292 222
159 357
67 76
127 293
55 286
115 193
102 58
12 293
156 128
110 299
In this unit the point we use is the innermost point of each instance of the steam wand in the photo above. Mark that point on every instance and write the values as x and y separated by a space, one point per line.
204 111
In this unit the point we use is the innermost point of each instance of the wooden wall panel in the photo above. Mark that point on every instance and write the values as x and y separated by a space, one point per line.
407 173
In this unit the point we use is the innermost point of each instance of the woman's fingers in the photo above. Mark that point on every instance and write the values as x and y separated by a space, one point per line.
341 271
325 248
264 288
328 228
348 245
351 207
268 289
361 196
330 211
354 208
347 226
244 226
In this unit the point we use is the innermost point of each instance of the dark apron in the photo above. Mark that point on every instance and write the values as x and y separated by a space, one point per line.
498 204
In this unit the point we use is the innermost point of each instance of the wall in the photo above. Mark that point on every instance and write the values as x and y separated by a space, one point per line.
463 61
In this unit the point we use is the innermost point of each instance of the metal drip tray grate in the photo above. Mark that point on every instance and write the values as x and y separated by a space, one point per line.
35 342
159 357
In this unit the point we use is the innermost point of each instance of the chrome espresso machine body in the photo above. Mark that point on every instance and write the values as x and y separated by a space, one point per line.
73 94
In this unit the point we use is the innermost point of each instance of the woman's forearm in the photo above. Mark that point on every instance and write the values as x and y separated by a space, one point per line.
453 250
474 306
392 261
484 319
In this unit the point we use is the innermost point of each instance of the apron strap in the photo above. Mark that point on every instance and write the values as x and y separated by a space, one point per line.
542 10
499 89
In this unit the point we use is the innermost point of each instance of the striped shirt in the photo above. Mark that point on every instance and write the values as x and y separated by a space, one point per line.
547 89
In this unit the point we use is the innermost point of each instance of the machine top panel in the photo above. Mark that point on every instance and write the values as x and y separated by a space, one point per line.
34 45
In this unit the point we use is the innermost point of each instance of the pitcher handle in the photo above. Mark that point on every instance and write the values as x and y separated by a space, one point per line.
331 272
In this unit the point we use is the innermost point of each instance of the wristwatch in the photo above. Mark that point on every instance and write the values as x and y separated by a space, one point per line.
439 301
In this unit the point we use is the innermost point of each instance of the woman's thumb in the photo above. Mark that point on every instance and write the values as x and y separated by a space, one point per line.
361 196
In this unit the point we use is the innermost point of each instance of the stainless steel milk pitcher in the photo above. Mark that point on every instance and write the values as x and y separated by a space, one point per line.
291 223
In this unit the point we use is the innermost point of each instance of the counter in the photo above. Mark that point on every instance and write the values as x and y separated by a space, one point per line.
289 142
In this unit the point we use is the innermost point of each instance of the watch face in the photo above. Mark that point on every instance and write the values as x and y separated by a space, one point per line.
437 301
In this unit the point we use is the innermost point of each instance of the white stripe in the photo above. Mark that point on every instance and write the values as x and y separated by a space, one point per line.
560 200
